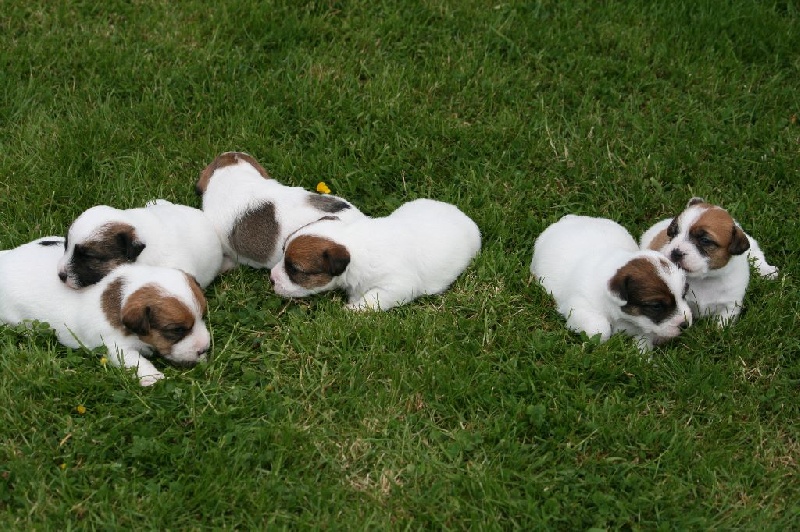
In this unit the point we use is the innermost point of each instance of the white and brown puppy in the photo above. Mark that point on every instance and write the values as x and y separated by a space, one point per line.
159 234
707 242
602 283
134 311
419 249
254 214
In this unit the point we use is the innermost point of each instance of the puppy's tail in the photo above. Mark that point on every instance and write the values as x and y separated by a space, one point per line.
757 258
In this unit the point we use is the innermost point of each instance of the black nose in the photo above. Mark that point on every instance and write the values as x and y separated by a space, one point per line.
676 255
62 276
684 325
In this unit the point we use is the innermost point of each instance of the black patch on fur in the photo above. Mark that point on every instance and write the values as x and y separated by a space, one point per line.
255 233
92 261
327 203
51 242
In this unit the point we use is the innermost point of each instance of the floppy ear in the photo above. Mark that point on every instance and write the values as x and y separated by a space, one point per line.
694 201
136 318
336 258
619 286
130 246
739 241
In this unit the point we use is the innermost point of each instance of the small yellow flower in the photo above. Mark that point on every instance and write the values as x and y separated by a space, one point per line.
322 188
103 361
62 466
81 409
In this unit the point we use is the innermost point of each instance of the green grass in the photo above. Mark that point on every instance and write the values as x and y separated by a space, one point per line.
476 409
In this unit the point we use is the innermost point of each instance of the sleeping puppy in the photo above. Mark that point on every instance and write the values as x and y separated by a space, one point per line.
603 283
133 311
418 249
159 234
705 241
253 213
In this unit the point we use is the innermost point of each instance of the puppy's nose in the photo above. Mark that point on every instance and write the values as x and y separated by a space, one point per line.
62 276
676 256
684 325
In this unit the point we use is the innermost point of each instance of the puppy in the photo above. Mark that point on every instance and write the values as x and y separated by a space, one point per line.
159 234
134 310
418 249
603 283
253 213
707 242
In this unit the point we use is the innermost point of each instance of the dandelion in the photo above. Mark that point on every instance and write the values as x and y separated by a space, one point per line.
81 409
62 466
103 361
322 188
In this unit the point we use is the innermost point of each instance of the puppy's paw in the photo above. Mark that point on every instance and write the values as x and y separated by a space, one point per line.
157 201
768 272
227 264
149 380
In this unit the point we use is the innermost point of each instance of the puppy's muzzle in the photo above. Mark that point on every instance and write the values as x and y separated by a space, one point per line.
677 256
62 276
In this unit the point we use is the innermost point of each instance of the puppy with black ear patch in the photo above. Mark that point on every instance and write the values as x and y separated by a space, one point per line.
159 234
254 214
419 249
133 311
602 283
706 242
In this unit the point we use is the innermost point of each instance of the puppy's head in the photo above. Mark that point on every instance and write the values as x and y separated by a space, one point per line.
97 242
310 264
702 238
651 294
164 308
239 160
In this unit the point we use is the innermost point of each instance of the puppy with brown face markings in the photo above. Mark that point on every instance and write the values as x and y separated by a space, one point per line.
603 283
706 242
419 249
135 310
253 214
159 234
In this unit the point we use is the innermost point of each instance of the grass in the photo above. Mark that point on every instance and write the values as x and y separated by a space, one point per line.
476 409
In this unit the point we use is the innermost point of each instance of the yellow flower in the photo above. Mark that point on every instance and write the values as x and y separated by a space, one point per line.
62 466
322 188
81 409
103 361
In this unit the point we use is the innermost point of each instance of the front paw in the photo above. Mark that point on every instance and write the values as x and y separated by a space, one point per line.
149 380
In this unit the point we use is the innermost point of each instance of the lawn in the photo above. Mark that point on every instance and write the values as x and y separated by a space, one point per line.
474 409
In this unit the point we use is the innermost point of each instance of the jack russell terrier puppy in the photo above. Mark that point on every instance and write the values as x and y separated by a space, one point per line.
602 283
133 311
254 214
159 234
706 242
419 249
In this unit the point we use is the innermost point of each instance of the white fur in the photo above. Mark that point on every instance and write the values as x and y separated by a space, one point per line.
419 249
720 292
576 257
237 189
175 236
31 291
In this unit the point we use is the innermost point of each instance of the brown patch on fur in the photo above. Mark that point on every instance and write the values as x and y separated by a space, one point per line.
226 159
154 317
659 241
716 223
197 292
327 203
111 303
255 233
644 292
313 261
116 243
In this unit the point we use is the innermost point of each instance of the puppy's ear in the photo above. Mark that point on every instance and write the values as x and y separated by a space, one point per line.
620 286
695 200
739 241
136 318
336 258
130 245
672 229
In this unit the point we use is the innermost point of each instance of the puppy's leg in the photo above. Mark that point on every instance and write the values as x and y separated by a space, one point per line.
760 261
227 264
145 370
725 315
374 299
590 322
